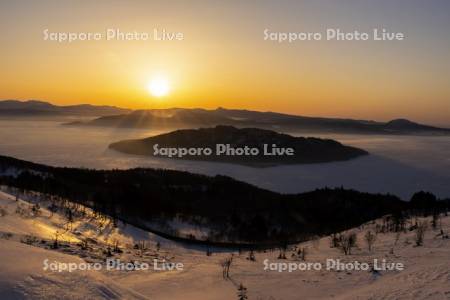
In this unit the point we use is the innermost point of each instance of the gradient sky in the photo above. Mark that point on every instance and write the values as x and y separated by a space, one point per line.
224 61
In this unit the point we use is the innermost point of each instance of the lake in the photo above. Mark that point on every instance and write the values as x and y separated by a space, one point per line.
399 165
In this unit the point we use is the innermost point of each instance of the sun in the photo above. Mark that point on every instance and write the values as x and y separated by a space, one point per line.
158 87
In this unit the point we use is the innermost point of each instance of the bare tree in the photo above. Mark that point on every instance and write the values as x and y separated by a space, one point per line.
226 265
55 244
84 244
436 220
36 210
301 253
397 238
347 242
116 247
370 238
242 292
282 254
334 241
420 232
251 256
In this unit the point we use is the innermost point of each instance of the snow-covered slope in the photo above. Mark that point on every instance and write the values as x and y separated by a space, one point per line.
23 276
27 238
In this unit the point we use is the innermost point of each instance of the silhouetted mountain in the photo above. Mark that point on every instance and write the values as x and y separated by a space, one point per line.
194 118
305 150
34 108
407 125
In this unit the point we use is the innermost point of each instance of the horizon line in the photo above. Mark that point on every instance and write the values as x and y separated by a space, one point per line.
221 107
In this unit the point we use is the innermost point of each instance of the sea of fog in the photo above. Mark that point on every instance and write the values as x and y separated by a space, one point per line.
400 165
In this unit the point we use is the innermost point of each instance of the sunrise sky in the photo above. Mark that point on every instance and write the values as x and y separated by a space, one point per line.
224 60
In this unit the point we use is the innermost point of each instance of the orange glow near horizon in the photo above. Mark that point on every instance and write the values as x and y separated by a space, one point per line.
220 64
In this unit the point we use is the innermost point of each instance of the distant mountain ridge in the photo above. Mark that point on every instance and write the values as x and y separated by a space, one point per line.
174 118
40 108
194 118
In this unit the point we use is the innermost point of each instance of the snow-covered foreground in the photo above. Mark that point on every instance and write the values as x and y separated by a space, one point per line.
27 239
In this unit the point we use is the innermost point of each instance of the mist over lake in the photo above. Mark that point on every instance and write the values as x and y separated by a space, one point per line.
400 165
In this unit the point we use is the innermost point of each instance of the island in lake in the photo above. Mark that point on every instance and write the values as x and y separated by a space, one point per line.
249 146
